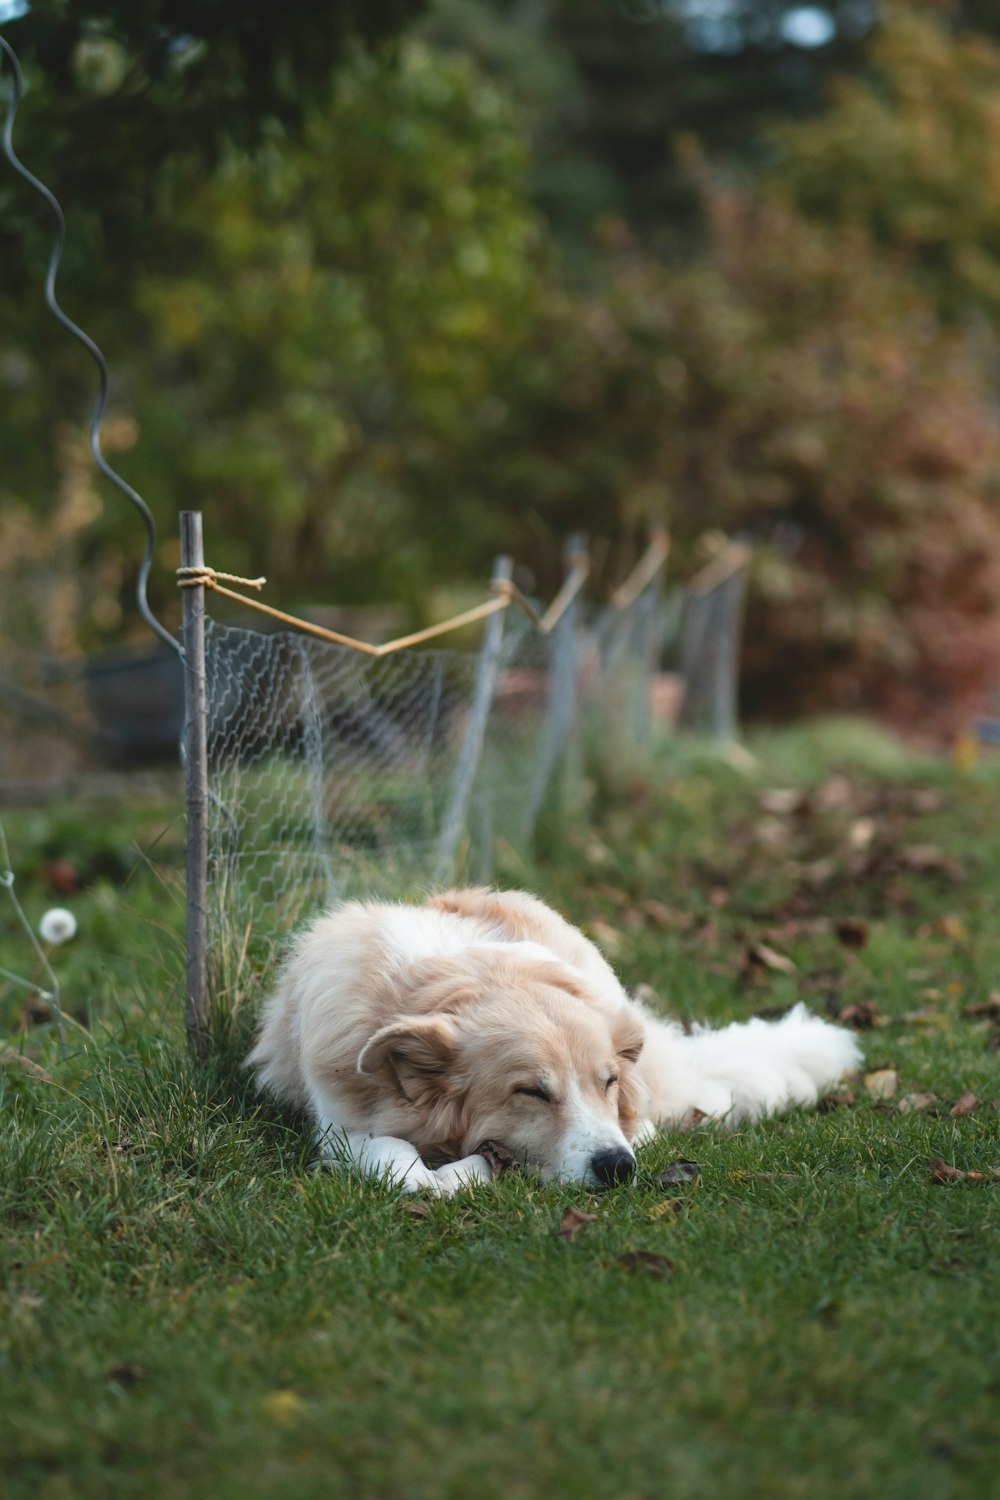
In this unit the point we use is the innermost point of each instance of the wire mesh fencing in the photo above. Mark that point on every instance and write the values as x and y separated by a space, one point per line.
334 775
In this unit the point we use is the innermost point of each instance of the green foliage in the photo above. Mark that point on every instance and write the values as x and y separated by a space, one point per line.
350 335
911 149
348 306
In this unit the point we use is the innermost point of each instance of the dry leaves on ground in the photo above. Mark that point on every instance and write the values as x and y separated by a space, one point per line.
853 933
882 1083
680 1170
573 1221
498 1158
761 956
943 1174
647 1261
918 1104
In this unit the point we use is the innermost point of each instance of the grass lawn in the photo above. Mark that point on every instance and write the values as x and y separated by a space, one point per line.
186 1309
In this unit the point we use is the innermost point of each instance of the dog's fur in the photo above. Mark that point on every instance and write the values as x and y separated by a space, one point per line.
415 1034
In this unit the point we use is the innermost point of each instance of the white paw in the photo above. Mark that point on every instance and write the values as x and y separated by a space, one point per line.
460 1174
417 1179
644 1133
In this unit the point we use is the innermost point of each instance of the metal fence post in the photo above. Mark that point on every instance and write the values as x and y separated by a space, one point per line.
648 609
561 708
195 785
487 672
713 616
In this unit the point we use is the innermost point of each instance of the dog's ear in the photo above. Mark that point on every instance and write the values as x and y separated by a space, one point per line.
418 1051
629 1036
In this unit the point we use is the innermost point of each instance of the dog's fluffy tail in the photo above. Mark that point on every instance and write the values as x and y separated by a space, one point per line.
750 1069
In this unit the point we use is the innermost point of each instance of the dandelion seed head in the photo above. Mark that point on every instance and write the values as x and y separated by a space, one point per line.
57 926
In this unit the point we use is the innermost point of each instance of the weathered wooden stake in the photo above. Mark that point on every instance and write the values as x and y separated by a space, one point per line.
196 784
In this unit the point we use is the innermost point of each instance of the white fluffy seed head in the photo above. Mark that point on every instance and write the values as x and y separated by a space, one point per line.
57 926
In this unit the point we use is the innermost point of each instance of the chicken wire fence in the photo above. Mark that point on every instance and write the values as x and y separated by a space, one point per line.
332 774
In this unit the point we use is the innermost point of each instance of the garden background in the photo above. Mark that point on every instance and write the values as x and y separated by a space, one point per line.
387 288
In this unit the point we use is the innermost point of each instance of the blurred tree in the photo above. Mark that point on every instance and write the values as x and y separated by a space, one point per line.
795 388
912 150
347 306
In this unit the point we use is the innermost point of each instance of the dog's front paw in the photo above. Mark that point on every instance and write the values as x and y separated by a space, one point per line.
419 1179
461 1174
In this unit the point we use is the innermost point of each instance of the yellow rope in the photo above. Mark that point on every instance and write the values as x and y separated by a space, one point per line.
733 557
575 580
190 577
645 570
506 593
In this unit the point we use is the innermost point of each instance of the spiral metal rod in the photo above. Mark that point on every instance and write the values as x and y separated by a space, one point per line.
83 338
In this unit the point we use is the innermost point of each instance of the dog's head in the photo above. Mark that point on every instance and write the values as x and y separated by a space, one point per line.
516 1052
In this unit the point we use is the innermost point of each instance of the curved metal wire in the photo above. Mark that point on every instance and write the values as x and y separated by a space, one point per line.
88 343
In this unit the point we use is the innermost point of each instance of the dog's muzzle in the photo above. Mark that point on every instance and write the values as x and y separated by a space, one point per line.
610 1167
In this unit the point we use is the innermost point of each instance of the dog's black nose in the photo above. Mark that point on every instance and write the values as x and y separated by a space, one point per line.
610 1167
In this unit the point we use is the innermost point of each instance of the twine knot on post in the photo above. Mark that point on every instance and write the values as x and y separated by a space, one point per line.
192 577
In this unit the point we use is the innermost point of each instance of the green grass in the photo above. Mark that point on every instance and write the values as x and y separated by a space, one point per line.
189 1310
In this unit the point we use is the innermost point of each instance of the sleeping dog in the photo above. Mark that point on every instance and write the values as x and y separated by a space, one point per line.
413 1034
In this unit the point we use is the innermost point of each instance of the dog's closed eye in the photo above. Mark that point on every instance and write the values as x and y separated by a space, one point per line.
611 1083
542 1094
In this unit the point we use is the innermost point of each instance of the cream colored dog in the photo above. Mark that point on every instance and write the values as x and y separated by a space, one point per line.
415 1034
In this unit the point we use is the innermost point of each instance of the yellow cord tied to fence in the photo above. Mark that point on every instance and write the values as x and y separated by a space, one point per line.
505 593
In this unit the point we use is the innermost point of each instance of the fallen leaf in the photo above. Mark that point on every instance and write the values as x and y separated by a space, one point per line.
952 927
853 932
127 1374
772 833
916 1104
964 1106
499 1158
817 872
605 935
11 1059
763 956
669 1205
835 793
417 1208
860 834
665 916
679 1171
861 1016
928 859
942 1172
573 1220
842 1100
764 1176
990 1007
780 801
654 1265
281 1407
882 1083
927 1015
